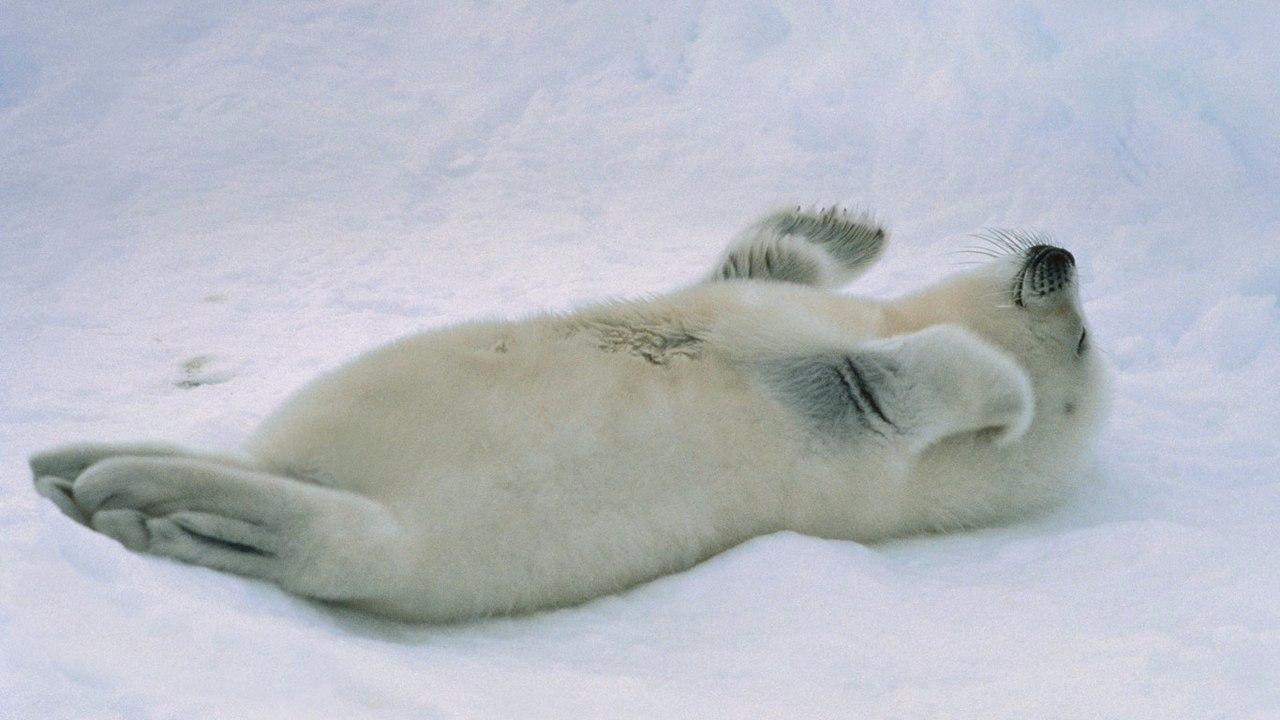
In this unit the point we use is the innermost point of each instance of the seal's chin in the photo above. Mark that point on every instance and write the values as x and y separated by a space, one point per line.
1043 277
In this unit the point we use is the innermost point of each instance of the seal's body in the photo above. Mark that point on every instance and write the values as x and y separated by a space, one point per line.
505 466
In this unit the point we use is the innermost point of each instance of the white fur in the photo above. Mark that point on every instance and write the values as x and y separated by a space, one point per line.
506 466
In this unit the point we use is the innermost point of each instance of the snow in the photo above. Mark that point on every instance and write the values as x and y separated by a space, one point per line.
203 205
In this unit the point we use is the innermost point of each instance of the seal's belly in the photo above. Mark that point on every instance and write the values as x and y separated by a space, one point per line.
534 414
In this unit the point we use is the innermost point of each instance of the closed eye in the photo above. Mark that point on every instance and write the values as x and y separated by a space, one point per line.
1084 342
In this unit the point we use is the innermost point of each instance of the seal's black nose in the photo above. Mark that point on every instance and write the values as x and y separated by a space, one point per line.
1048 269
1050 257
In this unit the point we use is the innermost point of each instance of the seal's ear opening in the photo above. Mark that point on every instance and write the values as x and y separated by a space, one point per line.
821 248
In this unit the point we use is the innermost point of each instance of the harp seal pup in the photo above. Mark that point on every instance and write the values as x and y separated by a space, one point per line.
498 467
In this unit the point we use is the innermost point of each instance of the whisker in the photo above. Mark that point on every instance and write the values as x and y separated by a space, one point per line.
981 254
1009 240
979 251
997 240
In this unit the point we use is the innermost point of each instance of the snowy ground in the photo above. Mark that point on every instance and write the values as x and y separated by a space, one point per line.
202 207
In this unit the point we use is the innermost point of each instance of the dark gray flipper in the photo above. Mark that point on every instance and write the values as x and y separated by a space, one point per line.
820 248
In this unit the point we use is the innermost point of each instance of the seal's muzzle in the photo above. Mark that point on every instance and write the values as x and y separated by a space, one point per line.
1047 270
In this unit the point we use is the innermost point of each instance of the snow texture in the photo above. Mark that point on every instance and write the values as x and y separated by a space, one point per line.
202 205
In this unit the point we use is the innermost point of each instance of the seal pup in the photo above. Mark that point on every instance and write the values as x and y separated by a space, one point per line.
499 467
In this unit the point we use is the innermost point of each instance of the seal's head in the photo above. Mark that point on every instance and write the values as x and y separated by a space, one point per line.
1025 300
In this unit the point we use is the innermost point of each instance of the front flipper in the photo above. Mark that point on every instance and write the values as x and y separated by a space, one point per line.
825 248
917 389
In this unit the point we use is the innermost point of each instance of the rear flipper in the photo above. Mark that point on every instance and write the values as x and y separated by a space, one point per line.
826 248
314 541
56 469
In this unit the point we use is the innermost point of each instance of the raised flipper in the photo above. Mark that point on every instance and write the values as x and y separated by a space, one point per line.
821 248
916 389
314 541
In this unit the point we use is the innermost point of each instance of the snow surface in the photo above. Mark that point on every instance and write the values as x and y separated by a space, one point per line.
203 205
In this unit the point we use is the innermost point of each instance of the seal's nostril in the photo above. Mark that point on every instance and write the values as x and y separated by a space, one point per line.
1049 256
1066 257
